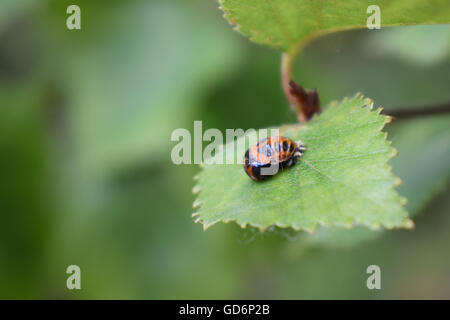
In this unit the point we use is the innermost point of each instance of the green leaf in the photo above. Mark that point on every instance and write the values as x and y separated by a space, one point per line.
289 24
343 178
424 174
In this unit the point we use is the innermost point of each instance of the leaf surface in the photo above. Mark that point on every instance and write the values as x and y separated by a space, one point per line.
288 24
342 179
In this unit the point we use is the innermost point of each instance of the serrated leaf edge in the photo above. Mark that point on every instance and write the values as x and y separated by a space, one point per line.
409 224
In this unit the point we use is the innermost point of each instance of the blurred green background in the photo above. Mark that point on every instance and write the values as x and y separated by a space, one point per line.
86 176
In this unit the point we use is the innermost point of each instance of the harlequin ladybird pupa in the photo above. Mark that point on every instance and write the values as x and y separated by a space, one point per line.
279 151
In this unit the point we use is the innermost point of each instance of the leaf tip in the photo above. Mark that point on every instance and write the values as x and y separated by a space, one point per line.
387 118
367 101
206 225
404 201
196 189
196 204
409 224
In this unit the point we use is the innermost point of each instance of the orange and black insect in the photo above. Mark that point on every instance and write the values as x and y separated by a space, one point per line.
278 151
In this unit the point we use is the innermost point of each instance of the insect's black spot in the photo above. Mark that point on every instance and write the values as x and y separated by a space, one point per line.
291 148
256 170
285 146
246 171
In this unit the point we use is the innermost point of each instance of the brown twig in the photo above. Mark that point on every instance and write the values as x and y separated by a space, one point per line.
304 103
408 113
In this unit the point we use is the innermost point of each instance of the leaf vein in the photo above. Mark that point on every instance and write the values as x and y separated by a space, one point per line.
357 156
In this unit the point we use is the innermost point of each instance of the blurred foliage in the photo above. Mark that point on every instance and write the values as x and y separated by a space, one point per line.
85 167
414 45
